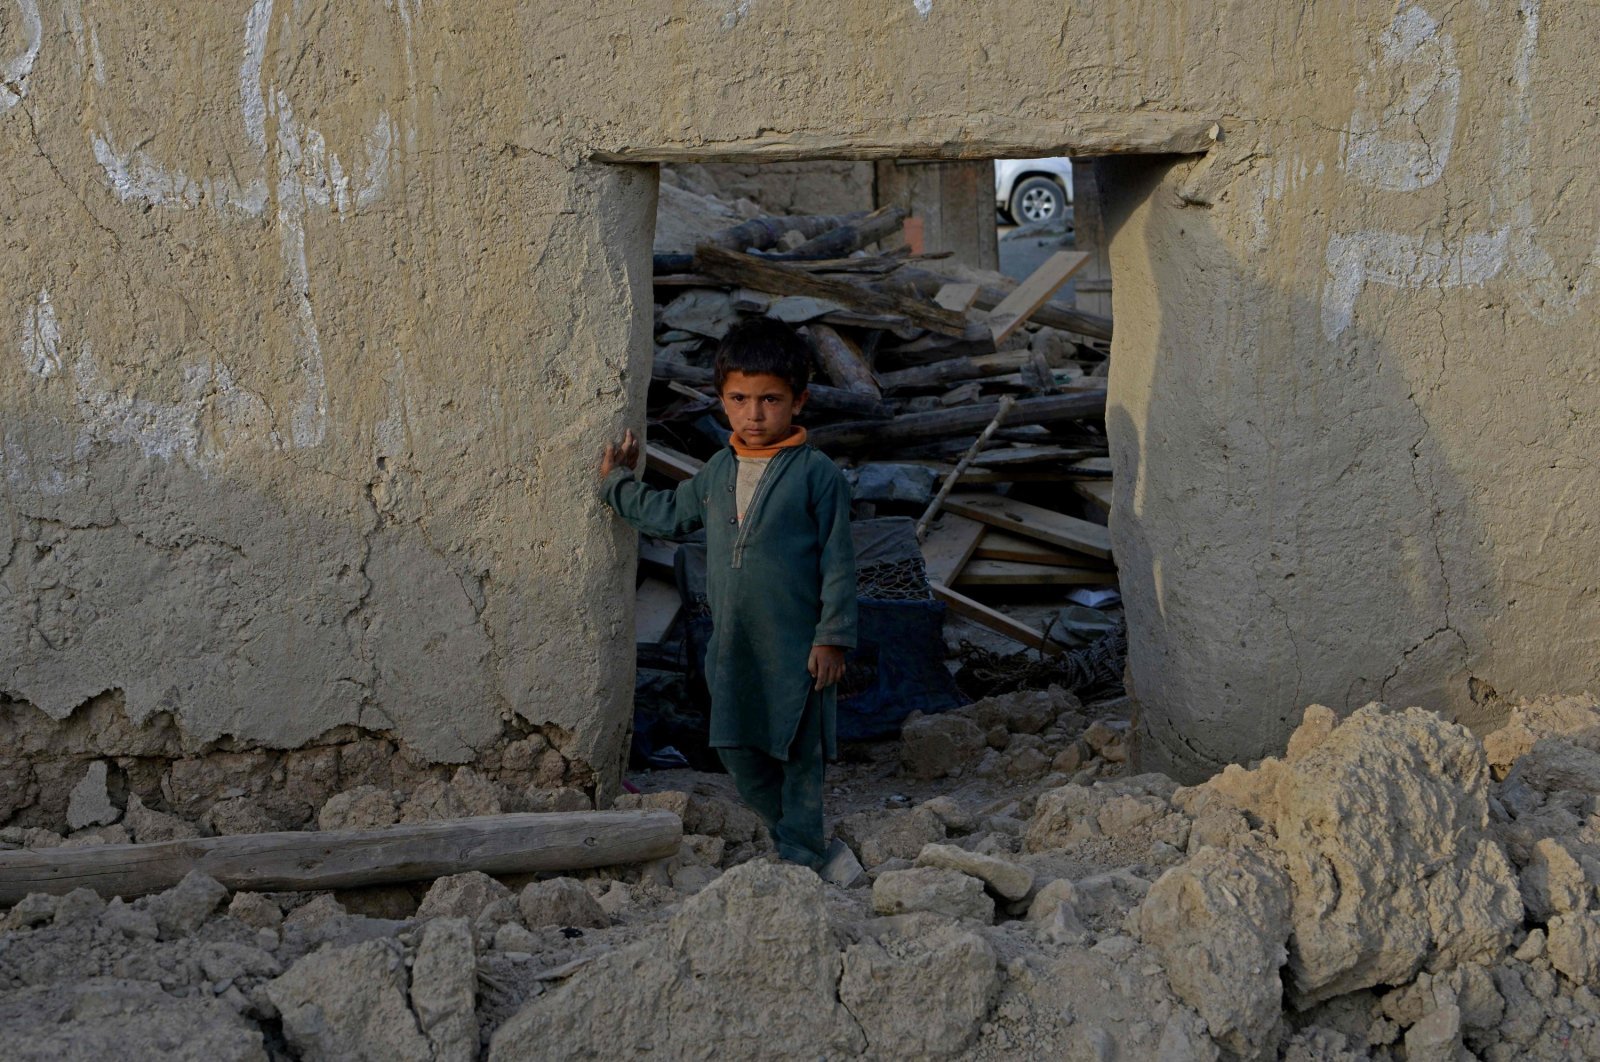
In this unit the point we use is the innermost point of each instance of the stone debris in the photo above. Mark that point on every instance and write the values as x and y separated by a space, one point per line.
939 891
181 909
350 1003
560 902
748 962
444 987
1387 790
89 804
885 987
147 826
1237 896
877 837
363 808
1388 889
1007 881
461 896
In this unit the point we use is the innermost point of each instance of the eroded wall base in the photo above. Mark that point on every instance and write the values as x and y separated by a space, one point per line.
232 786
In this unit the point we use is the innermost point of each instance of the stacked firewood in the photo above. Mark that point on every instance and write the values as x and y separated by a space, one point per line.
967 401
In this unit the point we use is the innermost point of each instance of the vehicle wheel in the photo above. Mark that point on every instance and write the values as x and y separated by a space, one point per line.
1037 199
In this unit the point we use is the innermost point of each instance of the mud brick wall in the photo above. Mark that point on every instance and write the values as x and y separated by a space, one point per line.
312 315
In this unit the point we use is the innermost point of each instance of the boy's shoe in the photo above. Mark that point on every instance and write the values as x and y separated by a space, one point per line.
841 867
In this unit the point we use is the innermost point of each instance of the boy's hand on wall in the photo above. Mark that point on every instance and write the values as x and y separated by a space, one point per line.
826 664
624 454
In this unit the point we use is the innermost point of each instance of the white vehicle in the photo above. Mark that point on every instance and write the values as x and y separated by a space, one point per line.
1031 191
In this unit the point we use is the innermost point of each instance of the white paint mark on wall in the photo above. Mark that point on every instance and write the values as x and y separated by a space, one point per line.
308 174
14 71
1274 179
41 337
1403 126
252 104
1398 260
1550 292
733 11
308 423
924 7
135 177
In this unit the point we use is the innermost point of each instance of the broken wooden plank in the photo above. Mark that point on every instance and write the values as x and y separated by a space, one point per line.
961 466
1098 492
779 278
762 233
1033 521
1034 292
953 370
851 236
1027 455
842 361
1001 545
991 477
995 620
823 398
982 572
927 283
948 545
939 424
655 607
670 463
340 859
957 297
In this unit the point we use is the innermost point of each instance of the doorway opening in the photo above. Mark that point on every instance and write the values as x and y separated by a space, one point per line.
961 319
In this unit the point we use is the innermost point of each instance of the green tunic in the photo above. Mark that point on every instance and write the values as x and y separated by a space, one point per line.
779 583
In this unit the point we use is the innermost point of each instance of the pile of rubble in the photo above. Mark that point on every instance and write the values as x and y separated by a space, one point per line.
1391 888
959 398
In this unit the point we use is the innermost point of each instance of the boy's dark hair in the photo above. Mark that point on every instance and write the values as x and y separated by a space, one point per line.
762 345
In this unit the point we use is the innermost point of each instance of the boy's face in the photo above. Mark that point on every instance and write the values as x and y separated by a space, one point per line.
761 407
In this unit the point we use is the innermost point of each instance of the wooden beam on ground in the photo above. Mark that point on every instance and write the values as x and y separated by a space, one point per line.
942 423
995 620
778 278
1014 311
1018 573
671 463
342 859
842 361
1020 518
1002 546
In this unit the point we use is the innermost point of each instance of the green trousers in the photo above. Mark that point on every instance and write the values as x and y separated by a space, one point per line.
787 794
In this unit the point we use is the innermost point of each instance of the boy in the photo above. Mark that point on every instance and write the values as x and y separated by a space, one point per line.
780 575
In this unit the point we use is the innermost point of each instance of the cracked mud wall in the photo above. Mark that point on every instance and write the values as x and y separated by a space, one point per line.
1352 390
303 364
315 313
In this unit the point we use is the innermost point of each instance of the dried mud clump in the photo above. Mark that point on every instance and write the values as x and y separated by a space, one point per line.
1391 888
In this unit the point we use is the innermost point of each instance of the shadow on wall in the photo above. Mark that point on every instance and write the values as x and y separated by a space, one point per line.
1284 513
